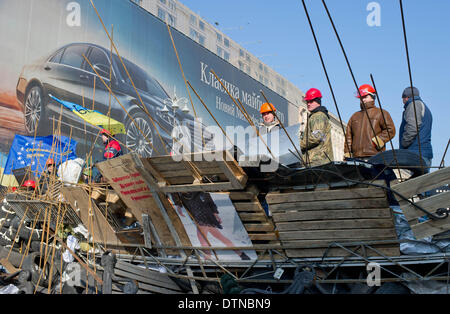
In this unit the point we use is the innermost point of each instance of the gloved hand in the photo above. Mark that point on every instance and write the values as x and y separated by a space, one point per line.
377 143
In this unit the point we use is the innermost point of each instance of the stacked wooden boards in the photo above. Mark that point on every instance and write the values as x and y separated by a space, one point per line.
259 226
419 185
148 281
309 221
207 172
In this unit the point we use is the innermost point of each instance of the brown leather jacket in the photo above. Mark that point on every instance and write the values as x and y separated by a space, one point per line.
360 135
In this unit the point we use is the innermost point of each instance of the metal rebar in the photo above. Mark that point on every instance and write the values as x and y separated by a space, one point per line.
410 81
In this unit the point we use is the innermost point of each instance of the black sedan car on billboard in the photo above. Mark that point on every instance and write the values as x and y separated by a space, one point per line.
66 75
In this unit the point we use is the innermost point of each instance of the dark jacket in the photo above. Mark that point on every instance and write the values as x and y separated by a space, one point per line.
408 129
315 141
359 134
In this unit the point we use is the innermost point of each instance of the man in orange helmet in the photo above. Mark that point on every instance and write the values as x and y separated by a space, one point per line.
270 122
365 138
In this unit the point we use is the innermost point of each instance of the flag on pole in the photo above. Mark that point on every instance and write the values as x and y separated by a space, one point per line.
93 117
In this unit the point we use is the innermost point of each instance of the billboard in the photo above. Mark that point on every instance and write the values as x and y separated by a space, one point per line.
57 52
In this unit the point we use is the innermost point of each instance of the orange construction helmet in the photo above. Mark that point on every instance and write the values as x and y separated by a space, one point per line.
50 161
267 107
365 89
29 183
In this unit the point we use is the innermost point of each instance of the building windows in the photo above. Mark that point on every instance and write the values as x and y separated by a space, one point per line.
219 37
226 55
161 14
219 51
260 66
201 40
172 5
163 1
248 69
193 33
172 20
241 53
247 57
226 42
193 20
241 65
201 24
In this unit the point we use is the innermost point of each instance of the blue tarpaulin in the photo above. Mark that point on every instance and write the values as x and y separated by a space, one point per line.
34 151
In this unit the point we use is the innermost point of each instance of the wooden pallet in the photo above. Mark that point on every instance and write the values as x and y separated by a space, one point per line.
149 281
308 222
259 226
418 185
195 173
129 180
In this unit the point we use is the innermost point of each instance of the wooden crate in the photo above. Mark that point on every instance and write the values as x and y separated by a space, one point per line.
308 222
194 173
421 184
259 226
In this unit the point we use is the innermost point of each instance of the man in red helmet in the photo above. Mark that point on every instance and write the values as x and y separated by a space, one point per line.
365 138
315 140
112 146
270 122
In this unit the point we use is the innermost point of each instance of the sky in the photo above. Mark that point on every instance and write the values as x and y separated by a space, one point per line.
278 33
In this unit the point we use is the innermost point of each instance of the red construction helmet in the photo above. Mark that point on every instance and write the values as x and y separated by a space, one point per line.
364 90
267 107
29 183
312 93
50 161
105 131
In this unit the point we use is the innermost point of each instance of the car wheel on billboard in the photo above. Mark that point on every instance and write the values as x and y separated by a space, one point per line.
34 110
139 135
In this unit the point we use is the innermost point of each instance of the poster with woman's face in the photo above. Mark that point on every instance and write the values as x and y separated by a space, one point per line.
210 220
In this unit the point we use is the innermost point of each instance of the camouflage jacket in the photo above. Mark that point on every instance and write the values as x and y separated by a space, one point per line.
315 141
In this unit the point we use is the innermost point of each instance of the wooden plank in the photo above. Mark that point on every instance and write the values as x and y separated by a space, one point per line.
333 214
338 252
253 217
259 227
294 244
205 187
158 178
147 273
148 277
338 194
112 197
147 231
430 227
339 204
357 234
124 177
441 200
336 224
262 236
248 206
143 285
423 183
97 225
187 173
8 266
241 196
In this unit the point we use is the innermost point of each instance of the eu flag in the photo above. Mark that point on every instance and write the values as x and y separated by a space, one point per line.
34 151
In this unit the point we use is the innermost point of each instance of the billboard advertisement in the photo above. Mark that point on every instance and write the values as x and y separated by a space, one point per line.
66 65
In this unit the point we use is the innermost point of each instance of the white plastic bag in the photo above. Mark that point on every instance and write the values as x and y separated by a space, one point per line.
70 170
